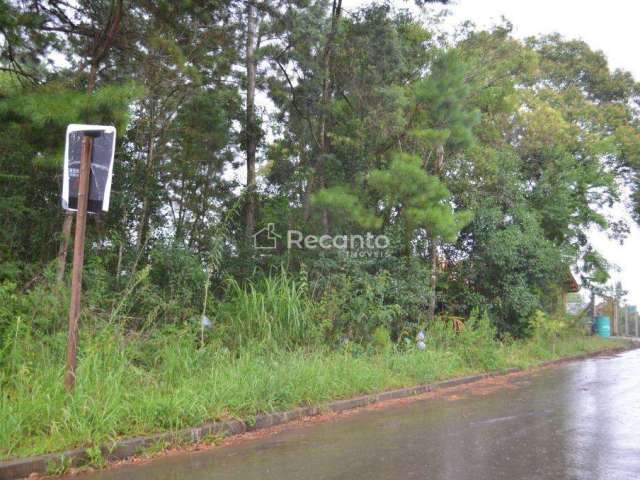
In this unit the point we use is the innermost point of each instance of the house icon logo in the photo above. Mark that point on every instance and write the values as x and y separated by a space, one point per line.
266 239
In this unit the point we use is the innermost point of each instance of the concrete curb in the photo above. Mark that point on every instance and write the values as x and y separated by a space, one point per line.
123 449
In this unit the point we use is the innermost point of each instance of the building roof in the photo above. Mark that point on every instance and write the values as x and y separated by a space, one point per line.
570 283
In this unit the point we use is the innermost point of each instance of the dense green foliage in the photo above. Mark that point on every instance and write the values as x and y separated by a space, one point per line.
534 137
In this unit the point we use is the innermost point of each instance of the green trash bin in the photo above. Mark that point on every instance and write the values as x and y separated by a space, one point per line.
603 325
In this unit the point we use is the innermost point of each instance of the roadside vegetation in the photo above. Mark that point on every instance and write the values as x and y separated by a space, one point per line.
482 160
268 350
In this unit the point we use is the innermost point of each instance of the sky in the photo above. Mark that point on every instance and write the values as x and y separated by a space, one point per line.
610 26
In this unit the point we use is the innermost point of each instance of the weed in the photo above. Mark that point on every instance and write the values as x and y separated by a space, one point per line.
155 448
59 466
95 458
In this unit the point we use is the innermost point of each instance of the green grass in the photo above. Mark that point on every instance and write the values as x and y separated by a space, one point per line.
139 383
275 310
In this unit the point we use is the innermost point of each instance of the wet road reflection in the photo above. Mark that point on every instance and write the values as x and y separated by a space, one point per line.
577 421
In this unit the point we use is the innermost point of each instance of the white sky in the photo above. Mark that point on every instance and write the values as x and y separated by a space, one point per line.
611 26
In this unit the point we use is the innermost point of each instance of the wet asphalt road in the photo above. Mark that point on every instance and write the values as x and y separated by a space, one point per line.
577 421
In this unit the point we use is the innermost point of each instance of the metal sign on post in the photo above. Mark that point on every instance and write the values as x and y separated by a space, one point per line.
104 142
88 166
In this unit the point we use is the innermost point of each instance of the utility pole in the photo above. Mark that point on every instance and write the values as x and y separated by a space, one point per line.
626 320
78 259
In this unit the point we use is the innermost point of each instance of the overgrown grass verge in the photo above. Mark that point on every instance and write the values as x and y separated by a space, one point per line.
134 384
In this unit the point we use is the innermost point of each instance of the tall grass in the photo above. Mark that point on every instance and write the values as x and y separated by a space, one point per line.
275 310
136 383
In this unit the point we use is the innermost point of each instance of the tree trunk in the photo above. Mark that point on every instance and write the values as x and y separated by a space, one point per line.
143 227
251 133
119 262
64 245
318 180
306 203
433 244
121 248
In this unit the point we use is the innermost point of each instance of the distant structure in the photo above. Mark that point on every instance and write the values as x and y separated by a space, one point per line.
567 301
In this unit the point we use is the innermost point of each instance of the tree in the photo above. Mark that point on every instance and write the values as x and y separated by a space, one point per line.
33 122
251 125
442 120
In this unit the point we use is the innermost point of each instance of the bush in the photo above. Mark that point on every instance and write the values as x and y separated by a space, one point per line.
478 344
475 343
546 331
381 340
360 305
363 294
179 274
45 306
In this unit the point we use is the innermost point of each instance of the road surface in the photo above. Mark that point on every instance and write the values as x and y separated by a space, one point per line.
577 421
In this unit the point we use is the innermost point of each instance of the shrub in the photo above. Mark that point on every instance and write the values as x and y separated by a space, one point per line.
381 340
45 306
178 273
546 330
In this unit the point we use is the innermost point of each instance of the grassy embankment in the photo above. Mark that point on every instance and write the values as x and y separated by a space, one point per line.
137 384
270 349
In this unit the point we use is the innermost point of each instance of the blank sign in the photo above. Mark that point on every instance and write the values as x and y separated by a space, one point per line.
104 141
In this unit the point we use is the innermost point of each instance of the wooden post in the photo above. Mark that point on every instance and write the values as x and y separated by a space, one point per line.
78 260
626 320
